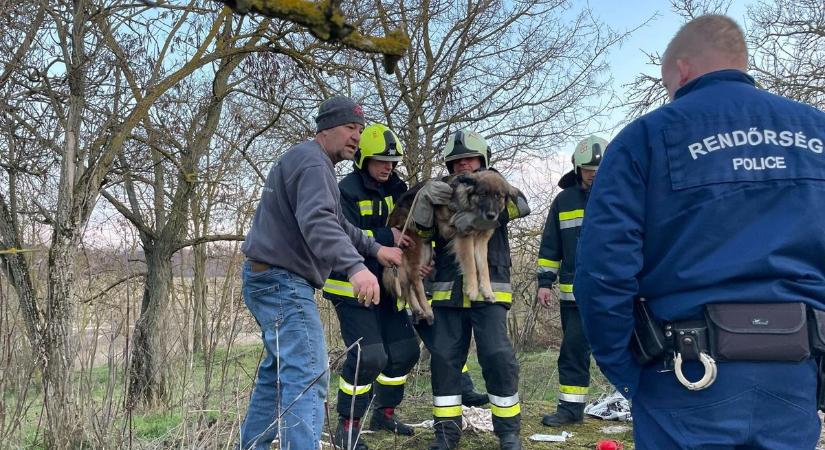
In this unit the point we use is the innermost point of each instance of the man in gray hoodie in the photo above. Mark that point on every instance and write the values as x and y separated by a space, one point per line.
298 236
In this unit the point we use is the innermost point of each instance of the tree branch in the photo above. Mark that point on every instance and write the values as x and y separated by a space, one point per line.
113 285
325 20
212 238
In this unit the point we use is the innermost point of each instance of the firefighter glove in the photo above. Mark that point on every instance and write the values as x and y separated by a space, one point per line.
433 193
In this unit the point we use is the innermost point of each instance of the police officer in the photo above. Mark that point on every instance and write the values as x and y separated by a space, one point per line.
716 197
458 318
389 347
557 259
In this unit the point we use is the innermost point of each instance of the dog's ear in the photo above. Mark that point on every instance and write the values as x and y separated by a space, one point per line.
512 193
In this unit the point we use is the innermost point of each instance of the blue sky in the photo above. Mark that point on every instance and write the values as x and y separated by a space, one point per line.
629 60
626 61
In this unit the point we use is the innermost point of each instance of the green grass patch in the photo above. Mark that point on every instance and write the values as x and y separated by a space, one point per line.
190 415
154 426
538 389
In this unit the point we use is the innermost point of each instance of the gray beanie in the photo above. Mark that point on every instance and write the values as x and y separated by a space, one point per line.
338 110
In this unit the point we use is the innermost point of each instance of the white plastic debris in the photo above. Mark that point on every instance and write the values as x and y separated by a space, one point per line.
475 419
614 429
610 407
551 437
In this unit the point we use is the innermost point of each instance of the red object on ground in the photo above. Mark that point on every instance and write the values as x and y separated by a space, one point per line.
609 444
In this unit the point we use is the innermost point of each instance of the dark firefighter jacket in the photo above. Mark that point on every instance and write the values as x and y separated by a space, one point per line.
557 253
367 205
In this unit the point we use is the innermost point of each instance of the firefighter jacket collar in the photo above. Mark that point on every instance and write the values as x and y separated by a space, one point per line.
711 78
371 184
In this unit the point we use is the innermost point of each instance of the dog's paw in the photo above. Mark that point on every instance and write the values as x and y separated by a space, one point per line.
472 293
488 296
429 317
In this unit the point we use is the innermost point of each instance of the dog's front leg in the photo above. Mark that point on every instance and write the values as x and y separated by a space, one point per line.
480 253
464 249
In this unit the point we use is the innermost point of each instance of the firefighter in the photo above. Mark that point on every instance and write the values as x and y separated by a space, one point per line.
389 347
557 260
458 318
714 201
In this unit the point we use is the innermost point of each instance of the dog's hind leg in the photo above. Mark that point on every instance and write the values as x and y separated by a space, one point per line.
480 253
464 253
424 259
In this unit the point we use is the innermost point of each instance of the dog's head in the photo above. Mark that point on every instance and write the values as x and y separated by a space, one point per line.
485 193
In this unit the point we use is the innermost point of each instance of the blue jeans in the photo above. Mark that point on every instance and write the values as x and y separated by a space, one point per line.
296 360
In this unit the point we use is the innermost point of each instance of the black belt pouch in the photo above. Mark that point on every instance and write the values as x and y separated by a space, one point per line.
758 331
648 340
816 328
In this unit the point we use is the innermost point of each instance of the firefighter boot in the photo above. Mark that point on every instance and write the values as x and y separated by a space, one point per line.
342 435
469 396
447 435
509 441
567 413
385 419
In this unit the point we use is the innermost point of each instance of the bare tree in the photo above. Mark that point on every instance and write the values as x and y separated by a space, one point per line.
68 93
646 92
787 44
173 172
519 73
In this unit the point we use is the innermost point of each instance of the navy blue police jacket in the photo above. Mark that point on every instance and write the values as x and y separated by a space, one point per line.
718 196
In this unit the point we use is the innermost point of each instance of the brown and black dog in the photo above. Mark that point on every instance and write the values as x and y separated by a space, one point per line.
485 195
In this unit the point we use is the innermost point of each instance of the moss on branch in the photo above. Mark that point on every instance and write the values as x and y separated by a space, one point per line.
325 20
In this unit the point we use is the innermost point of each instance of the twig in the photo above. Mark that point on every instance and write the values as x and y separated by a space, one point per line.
312 383
353 396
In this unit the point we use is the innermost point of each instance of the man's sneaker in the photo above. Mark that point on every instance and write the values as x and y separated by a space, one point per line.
385 419
509 441
473 398
342 435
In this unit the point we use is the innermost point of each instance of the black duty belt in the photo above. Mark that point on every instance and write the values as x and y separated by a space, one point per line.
728 332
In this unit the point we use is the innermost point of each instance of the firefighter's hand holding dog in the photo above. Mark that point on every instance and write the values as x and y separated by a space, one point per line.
401 240
389 256
433 193
437 192
365 287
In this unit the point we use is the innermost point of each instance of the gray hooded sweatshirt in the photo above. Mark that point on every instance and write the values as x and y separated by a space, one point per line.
299 225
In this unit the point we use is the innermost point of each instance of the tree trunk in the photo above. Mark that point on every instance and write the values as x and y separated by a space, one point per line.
199 285
199 291
65 429
147 383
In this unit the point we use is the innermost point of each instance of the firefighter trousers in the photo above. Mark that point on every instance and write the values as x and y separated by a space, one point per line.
425 332
451 333
387 353
574 360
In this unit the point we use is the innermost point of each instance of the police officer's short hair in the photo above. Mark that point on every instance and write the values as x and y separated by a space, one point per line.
711 32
